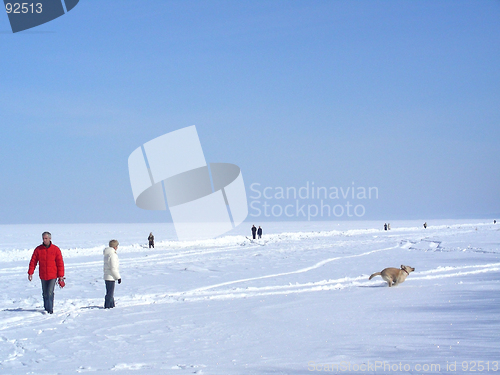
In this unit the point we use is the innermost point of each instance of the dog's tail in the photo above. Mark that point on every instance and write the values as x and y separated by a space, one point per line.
375 274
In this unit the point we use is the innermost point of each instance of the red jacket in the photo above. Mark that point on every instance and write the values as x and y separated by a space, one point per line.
51 262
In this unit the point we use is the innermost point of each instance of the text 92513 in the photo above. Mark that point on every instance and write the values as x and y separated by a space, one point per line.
23 8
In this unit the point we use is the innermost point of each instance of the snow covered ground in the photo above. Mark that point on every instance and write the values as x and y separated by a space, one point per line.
295 302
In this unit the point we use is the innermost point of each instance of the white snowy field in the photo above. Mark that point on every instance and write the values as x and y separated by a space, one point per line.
295 302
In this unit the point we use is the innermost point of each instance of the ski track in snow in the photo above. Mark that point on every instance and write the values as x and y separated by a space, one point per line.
317 265
323 285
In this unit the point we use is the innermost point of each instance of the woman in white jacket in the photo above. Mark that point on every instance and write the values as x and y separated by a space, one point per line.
111 273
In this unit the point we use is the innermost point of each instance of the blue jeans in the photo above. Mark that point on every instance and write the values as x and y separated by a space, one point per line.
48 294
109 299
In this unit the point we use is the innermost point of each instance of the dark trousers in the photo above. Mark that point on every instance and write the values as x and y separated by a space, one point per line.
109 299
48 294
151 244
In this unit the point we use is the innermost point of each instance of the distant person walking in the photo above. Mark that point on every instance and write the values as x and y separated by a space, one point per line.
385 226
151 240
494 221
388 226
254 231
259 232
111 273
425 225
51 267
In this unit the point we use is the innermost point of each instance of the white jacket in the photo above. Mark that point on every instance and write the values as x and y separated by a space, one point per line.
111 264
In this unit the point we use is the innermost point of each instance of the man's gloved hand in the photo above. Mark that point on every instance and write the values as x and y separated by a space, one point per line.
119 281
61 282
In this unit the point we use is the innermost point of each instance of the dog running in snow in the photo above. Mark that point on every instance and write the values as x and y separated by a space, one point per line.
394 276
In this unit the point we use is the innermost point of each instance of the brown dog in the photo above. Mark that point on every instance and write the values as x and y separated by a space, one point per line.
394 276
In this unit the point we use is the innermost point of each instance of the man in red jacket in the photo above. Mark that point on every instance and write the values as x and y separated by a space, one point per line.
51 268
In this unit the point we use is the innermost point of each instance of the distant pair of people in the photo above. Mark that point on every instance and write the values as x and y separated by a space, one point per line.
387 226
256 231
51 269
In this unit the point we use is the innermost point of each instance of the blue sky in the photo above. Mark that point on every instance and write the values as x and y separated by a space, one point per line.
402 96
